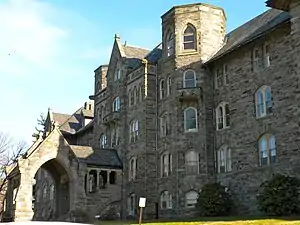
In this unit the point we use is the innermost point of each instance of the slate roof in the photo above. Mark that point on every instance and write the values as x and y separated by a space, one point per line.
252 30
135 52
86 127
60 118
97 157
72 124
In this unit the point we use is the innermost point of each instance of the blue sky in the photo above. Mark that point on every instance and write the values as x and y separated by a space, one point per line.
59 43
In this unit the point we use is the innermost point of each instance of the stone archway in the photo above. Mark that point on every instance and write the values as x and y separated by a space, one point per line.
51 192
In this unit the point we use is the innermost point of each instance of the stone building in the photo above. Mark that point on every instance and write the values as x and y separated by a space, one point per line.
203 105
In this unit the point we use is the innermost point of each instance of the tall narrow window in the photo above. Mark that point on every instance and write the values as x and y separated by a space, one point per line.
134 96
192 162
224 159
256 59
162 89
191 198
219 78
267 149
190 119
170 44
132 168
225 73
169 85
166 200
116 104
166 164
189 38
267 61
134 131
132 205
165 125
103 140
189 79
223 116
115 136
264 102
117 74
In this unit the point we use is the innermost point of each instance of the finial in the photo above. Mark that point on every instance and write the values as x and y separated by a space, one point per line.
117 36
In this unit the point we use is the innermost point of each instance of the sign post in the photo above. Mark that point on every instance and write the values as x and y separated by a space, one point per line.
142 204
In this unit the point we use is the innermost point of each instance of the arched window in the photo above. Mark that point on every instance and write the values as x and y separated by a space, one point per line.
166 164
166 200
170 43
189 79
267 149
189 38
169 85
103 140
165 125
192 161
263 101
190 120
115 136
116 104
162 89
223 116
132 168
224 159
191 198
132 205
134 131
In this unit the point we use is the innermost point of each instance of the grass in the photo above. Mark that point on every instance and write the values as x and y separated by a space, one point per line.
216 221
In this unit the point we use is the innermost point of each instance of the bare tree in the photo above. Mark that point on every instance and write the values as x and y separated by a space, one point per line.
10 152
40 126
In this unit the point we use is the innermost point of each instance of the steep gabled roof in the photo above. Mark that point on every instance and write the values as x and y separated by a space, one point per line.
73 123
252 30
135 52
98 157
60 118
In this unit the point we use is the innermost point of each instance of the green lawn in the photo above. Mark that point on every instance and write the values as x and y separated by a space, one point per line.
215 221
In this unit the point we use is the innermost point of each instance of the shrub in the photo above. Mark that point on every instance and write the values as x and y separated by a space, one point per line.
280 196
214 200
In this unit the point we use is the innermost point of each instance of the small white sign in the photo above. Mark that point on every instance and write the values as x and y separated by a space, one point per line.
142 202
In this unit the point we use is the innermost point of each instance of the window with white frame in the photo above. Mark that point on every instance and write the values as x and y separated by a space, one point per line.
189 79
166 200
117 74
115 136
116 104
169 85
256 59
266 52
134 131
166 164
132 168
189 38
191 198
267 149
192 161
132 205
224 159
223 116
103 140
190 119
170 43
264 102
165 125
161 89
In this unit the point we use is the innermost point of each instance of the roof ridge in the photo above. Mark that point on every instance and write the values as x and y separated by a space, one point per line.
132 46
71 116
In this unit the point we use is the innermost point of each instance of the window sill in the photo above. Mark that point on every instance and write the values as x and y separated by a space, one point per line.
191 131
223 129
267 116
188 52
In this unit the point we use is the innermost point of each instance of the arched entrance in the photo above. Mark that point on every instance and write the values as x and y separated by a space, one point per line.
51 192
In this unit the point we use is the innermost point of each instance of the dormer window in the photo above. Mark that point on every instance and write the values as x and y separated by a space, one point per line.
189 38
170 44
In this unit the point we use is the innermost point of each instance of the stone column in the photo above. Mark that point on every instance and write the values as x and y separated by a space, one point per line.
108 174
88 181
23 211
98 179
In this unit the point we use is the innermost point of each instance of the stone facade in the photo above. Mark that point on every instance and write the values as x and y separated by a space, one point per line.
204 106
201 106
